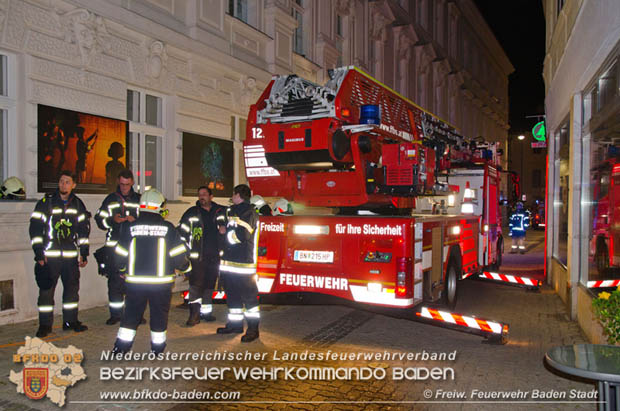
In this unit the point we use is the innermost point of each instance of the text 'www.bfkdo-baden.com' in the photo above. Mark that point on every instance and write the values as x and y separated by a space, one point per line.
147 394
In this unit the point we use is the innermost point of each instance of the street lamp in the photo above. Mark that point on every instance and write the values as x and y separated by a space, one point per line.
521 137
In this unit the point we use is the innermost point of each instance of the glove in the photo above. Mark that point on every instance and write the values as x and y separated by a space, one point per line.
39 255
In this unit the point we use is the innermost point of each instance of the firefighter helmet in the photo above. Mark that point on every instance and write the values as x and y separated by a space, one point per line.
282 207
519 206
258 201
152 201
261 205
13 189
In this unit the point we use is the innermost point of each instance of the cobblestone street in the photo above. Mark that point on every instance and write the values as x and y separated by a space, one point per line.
537 321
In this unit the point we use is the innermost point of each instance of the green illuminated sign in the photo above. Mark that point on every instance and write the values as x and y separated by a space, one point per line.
539 131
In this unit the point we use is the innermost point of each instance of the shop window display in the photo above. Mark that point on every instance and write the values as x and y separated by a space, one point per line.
601 178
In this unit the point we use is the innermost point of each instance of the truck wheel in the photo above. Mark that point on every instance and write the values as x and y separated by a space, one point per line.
601 258
449 293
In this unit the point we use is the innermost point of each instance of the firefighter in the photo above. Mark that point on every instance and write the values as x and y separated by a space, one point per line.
519 222
116 212
149 252
199 230
12 189
59 230
238 264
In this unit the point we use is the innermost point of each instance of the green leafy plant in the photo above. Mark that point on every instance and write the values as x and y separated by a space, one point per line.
607 310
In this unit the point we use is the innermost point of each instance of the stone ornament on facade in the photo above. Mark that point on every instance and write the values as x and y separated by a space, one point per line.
247 86
157 60
3 11
88 31
343 7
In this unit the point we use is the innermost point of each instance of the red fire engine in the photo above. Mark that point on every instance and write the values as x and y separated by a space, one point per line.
605 244
429 198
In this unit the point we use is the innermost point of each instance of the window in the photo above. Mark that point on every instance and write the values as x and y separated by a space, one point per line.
238 9
339 25
607 87
146 132
7 110
7 301
561 194
298 38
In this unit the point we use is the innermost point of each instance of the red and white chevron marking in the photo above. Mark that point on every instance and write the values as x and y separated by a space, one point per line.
465 275
465 321
511 279
218 295
603 283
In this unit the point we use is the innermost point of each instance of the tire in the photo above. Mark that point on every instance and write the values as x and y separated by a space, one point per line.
601 258
450 291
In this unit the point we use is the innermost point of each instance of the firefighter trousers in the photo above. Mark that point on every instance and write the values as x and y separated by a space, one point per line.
241 290
68 271
116 294
202 281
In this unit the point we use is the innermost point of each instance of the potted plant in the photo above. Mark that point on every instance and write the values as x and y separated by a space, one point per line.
607 310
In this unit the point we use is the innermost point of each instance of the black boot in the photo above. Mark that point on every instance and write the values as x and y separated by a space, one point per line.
121 346
44 330
158 348
76 326
194 315
231 328
252 332
113 320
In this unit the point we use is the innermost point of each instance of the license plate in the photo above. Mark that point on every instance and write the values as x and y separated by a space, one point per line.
307 256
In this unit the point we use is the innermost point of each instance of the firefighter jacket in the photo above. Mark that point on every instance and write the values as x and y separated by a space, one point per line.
116 203
59 229
198 228
240 245
519 222
150 250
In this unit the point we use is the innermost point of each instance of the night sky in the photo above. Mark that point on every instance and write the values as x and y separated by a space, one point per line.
519 27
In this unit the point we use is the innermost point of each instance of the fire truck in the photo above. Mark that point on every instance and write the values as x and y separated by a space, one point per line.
605 244
415 205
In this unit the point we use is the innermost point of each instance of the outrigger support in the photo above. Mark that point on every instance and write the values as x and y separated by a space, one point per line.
494 332
529 284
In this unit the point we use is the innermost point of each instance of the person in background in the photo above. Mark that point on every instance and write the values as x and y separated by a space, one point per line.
238 264
519 223
199 230
117 210
59 230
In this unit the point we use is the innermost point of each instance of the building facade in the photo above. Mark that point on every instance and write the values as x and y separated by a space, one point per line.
582 106
178 70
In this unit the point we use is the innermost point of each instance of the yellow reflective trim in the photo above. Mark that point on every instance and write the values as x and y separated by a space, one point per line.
132 257
180 249
243 224
121 251
148 279
161 252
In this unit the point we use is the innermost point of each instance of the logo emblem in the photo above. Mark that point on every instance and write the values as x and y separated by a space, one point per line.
35 382
331 184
